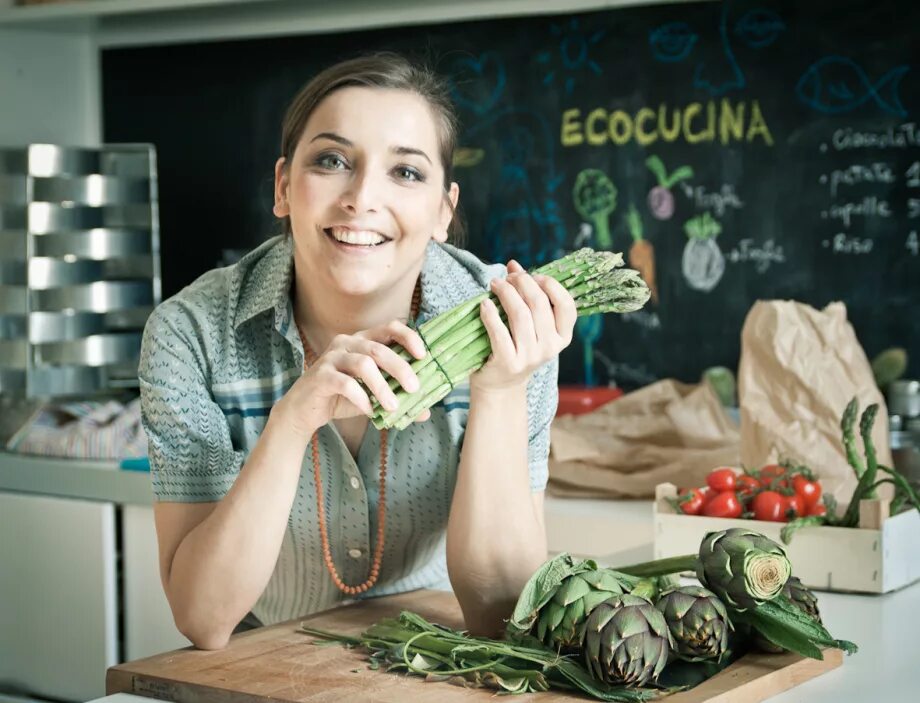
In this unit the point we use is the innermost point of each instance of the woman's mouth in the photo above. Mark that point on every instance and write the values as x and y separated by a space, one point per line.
355 238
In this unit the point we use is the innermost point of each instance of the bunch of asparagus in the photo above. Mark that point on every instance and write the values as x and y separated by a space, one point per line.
870 475
613 634
458 343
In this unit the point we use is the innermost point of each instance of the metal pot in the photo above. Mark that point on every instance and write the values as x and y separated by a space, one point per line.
904 398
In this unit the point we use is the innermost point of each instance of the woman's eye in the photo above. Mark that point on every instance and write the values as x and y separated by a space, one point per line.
407 173
333 162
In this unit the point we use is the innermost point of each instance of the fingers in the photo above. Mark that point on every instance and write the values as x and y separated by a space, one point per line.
402 334
426 414
347 386
565 313
499 336
363 367
385 358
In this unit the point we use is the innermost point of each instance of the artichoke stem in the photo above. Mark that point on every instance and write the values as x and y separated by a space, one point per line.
661 567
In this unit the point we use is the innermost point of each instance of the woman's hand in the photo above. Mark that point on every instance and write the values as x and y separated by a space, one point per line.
330 390
541 316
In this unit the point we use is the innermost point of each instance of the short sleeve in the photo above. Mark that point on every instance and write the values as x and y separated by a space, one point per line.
192 458
542 400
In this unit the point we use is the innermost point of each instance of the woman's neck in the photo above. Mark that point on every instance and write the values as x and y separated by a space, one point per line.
321 315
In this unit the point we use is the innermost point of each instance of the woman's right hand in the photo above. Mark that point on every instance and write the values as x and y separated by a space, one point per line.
329 389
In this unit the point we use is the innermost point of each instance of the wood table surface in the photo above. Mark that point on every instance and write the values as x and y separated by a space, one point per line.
281 663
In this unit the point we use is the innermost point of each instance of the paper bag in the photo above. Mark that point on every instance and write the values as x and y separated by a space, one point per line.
667 431
799 369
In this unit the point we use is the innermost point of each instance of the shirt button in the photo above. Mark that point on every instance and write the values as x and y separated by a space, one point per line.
354 553
355 483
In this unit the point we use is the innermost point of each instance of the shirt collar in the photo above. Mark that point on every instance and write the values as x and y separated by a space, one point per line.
265 279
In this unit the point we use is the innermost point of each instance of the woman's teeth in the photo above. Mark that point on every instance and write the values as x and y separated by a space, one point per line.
359 237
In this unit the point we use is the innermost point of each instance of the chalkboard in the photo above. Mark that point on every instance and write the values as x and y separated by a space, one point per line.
744 150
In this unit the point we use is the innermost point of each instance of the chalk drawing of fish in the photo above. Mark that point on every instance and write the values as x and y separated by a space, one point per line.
836 84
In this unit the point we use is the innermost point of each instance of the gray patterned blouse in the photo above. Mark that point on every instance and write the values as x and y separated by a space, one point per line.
221 352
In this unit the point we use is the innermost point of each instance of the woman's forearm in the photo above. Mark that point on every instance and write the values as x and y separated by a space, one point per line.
222 566
495 538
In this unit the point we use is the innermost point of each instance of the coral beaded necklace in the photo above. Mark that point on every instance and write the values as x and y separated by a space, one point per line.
309 357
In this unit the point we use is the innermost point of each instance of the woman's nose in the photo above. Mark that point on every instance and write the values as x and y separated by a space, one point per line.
363 192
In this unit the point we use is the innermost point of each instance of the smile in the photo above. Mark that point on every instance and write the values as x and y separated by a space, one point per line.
356 237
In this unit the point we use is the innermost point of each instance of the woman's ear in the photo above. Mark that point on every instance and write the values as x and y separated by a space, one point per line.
448 207
281 207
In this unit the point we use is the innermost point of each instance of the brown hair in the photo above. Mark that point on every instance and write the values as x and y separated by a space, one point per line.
379 70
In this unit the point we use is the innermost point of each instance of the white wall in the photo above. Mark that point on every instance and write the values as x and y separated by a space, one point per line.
49 88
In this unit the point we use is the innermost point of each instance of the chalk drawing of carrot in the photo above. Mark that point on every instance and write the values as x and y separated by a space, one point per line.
661 198
641 253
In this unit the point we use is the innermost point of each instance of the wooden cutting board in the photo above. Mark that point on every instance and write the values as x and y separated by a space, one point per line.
280 663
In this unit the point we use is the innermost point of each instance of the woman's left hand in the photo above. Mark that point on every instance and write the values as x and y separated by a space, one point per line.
541 316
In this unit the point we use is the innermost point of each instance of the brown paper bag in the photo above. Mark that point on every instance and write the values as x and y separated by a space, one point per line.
799 369
667 431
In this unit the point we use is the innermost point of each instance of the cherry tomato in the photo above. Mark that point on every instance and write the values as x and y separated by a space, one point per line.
721 480
795 506
724 504
769 506
773 476
817 509
809 490
746 485
693 503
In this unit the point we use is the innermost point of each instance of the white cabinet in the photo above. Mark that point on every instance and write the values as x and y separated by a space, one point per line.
58 597
149 626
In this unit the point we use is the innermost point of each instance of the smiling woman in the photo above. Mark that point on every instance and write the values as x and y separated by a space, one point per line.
276 497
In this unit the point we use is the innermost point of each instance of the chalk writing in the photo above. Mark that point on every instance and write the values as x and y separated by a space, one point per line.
900 137
913 208
633 374
878 172
762 256
696 123
843 244
912 245
870 206
913 175
718 202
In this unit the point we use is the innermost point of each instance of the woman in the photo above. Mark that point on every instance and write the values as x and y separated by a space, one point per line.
275 496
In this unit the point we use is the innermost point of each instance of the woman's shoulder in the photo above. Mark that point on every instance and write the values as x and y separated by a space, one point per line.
452 275
214 299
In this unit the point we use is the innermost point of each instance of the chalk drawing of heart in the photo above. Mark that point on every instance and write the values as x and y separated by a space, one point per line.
479 82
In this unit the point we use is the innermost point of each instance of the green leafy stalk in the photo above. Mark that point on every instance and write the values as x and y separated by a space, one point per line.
865 486
847 423
412 644
793 526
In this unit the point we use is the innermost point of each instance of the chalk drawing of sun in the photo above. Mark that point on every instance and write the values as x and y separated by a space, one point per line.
574 46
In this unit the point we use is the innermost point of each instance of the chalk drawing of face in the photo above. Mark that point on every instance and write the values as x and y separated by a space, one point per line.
716 69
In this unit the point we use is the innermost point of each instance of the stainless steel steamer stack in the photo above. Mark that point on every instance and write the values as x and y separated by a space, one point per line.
79 267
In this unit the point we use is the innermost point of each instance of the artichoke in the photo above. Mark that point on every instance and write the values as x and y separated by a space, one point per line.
626 641
802 596
698 622
561 622
743 568
804 599
559 596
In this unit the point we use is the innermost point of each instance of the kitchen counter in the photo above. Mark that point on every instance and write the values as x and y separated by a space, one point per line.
884 627
100 481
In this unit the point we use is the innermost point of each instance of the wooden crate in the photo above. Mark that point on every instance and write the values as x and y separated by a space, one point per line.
881 555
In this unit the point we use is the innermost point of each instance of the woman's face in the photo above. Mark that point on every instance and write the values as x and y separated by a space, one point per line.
364 189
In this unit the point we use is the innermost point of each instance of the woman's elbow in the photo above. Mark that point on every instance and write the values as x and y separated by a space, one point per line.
201 630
